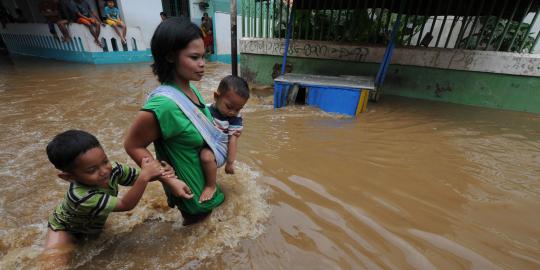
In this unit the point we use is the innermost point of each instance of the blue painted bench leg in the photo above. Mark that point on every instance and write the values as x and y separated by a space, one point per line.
280 94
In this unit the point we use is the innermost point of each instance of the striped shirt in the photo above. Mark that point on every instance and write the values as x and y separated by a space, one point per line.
228 125
86 208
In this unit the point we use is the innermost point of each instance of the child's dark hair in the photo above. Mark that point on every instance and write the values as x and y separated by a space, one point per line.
238 84
68 145
171 36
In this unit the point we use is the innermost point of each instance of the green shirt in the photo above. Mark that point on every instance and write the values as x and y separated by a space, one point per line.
86 208
180 144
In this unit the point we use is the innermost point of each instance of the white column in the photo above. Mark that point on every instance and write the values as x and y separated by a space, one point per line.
143 14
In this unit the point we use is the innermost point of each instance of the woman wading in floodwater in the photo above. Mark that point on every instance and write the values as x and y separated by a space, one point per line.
178 51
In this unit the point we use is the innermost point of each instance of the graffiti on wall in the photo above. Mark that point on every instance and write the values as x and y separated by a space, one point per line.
305 49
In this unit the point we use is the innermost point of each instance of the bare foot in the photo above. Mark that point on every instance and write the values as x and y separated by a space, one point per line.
207 193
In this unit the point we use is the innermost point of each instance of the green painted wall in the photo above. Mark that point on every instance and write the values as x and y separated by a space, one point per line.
491 90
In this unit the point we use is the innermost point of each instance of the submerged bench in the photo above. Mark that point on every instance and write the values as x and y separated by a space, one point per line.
335 94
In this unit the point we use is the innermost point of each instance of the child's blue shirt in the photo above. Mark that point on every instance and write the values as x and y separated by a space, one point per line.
111 12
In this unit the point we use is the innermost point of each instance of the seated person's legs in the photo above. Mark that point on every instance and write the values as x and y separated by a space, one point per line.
208 162
123 28
119 28
62 25
93 26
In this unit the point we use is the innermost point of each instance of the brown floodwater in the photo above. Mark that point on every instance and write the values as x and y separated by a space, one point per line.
410 184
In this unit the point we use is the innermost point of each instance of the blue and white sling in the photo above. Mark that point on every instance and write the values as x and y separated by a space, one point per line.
215 138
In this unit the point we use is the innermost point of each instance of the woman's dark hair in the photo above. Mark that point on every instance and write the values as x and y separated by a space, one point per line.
67 146
171 36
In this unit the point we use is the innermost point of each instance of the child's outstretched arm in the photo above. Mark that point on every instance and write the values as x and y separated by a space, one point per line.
150 169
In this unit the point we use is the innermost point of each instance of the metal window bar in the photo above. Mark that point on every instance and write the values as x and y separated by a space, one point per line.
441 30
507 26
321 29
451 31
289 4
379 21
280 16
366 13
522 44
294 25
473 28
411 35
247 19
349 9
388 17
253 19
244 26
405 22
464 23
353 28
534 43
308 20
337 31
288 14
273 21
371 15
518 27
452 27
250 18
267 18
424 21
434 20
495 26
332 25
260 19
301 18
484 27
314 26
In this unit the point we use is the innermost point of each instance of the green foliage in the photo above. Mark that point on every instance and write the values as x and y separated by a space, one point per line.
497 28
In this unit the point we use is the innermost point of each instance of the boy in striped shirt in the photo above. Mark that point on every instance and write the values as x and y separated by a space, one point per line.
93 189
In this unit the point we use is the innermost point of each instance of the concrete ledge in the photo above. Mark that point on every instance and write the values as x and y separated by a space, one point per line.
87 57
467 60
